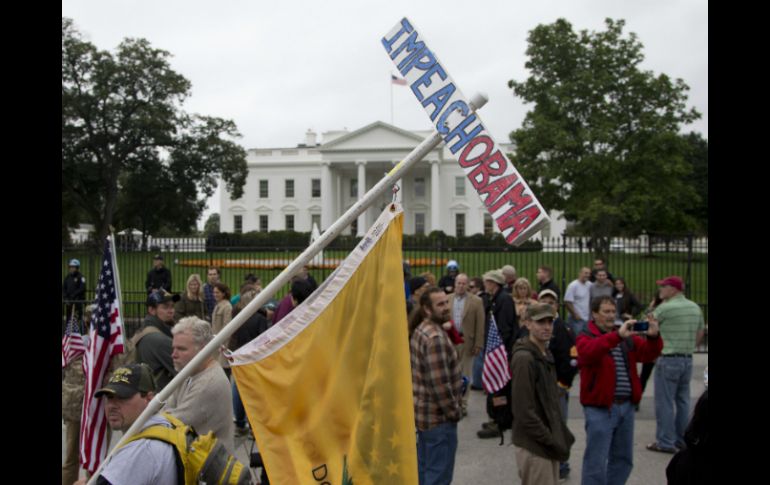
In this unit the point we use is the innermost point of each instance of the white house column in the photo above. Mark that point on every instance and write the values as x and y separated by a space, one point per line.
327 199
434 196
362 225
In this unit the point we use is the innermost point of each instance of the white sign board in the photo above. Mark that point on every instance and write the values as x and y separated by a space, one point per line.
504 192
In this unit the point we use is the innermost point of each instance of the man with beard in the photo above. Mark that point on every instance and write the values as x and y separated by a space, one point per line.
436 388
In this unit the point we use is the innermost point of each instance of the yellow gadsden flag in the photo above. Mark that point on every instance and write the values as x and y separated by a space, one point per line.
328 390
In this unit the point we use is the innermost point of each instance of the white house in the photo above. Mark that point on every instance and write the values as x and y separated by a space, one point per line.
291 188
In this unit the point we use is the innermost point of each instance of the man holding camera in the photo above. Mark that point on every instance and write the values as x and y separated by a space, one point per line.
610 387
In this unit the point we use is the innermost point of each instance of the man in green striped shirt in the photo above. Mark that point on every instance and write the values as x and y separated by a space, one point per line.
682 328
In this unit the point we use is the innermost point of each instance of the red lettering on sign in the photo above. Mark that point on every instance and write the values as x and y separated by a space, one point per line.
515 197
464 162
491 167
495 189
519 222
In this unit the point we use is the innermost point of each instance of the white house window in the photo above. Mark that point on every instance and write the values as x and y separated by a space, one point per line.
489 224
419 188
289 222
459 186
289 188
459 225
263 223
354 188
238 223
419 223
315 219
263 189
316 187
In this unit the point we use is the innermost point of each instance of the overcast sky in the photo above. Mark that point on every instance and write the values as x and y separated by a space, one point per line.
280 68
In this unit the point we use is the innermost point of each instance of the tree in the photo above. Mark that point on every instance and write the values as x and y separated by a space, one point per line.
602 142
127 146
698 158
212 225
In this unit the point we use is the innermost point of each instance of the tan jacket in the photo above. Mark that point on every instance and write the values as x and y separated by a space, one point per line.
473 320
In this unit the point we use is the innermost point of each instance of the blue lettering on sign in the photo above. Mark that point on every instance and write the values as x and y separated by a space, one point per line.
405 27
439 99
423 61
465 137
425 79
457 105
411 43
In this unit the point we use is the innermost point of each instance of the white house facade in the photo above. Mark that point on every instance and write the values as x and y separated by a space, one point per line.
292 188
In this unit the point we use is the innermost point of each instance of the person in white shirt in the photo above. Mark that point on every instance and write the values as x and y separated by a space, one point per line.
578 301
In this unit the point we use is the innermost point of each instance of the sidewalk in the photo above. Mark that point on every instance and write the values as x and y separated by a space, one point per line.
483 461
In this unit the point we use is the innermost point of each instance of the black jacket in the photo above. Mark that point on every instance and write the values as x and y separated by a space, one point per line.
251 329
74 287
550 285
502 308
157 279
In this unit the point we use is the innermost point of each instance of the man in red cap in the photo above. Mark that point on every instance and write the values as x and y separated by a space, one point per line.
681 326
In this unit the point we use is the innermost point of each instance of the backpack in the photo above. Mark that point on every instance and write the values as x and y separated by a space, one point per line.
499 408
130 355
199 459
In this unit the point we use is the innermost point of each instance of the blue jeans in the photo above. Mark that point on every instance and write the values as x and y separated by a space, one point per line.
478 367
577 326
672 399
238 410
609 455
436 449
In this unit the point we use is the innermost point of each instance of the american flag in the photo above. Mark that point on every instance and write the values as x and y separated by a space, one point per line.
72 345
397 80
496 372
106 341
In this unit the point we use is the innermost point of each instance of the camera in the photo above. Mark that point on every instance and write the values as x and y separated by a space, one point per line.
642 326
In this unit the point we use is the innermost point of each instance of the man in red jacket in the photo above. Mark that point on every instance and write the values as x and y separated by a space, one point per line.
609 389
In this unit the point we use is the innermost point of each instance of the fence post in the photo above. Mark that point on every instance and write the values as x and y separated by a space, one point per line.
688 276
563 272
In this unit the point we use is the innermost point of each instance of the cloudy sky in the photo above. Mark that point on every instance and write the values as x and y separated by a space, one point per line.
280 68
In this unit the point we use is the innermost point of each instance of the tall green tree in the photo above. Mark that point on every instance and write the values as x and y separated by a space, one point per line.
698 158
602 141
128 148
212 225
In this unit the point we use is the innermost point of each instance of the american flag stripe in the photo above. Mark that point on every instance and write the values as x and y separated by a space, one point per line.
495 373
106 341
72 345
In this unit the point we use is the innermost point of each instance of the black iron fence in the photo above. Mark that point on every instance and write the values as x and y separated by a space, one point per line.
641 262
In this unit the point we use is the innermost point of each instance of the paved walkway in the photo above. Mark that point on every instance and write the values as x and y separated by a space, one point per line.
483 461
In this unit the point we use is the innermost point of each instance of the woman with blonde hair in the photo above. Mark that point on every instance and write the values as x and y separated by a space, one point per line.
522 296
191 302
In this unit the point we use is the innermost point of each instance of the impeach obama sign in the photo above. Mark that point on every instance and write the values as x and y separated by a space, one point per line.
504 192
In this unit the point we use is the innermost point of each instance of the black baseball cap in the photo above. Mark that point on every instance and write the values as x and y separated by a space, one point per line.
127 381
161 296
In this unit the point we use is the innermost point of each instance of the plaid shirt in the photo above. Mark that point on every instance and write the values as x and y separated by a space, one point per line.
436 377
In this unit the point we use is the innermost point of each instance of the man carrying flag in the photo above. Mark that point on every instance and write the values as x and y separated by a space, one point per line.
106 341
327 390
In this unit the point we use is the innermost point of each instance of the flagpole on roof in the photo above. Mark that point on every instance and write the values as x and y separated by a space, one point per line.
221 339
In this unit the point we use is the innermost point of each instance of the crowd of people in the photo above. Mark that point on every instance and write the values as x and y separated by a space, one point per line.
454 325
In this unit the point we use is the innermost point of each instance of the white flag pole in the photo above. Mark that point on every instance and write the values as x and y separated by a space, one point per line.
220 339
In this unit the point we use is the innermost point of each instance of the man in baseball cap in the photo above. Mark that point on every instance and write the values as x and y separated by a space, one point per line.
143 461
682 329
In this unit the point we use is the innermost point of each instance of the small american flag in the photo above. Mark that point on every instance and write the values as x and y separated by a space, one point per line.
397 80
72 345
106 341
496 372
